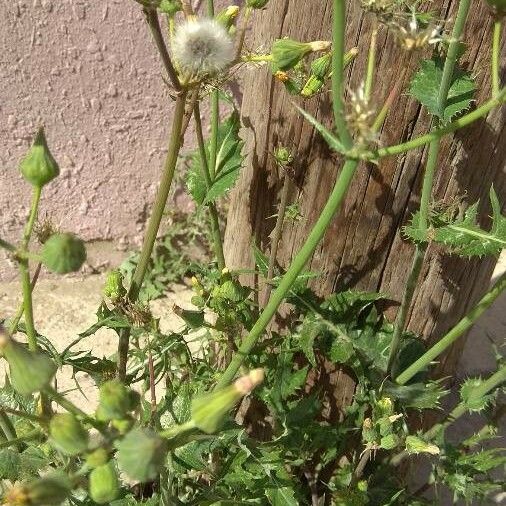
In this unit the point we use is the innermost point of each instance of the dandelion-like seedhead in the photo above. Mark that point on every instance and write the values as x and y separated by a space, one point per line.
202 47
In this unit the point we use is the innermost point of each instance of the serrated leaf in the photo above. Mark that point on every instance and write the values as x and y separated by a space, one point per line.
463 236
281 496
425 88
229 161
418 395
472 402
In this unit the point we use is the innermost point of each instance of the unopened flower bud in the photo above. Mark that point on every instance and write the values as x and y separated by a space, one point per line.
227 16
115 401
283 156
97 458
30 371
170 7
67 434
210 410
38 166
104 484
63 253
286 53
113 287
47 491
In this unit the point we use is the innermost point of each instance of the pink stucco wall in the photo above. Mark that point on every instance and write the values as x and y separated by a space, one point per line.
87 70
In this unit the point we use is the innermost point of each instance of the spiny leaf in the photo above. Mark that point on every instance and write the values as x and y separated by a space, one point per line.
471 401
418 395
463 235
425 88
228 164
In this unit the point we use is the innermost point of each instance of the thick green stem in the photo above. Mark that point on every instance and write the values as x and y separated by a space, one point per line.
293 271
215 219
154 224
338 35
27 305
334 201
215 121
6 425
210 8
276 237
428 179
156 32
457 331
400 320
37 190
437 133
496 57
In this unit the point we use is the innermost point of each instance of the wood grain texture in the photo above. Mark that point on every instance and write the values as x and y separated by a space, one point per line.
363 248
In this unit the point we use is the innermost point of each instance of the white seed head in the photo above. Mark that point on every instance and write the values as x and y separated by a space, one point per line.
202 47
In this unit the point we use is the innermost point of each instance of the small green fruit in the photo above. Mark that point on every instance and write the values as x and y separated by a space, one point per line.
67 434
115 401
97 458
29 371
141 454
38 166
286 53
104 484
63 253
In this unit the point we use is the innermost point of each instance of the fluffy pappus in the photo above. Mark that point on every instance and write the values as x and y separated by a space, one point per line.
202 47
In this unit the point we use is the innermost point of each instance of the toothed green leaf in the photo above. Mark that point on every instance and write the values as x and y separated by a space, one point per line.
425 88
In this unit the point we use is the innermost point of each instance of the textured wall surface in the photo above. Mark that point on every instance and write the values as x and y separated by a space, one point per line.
87 70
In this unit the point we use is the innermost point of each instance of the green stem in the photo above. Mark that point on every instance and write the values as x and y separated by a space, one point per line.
6 425
454 333
37 190
210 8
371 61
154 224
156 32
215 219
8 246
338 35
334 201
437 133
402 314
276 237
496 57
22 439
428 179
297 265
213 144
453 55
28 305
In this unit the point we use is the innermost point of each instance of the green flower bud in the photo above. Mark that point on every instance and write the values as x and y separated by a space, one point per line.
113 287
49 490
115 400
29 371
256 4
228 15
210 410
283 156
38 166
63 253
286 53
389 442
122 426
385 406
104 484
97 458
141 454
170 7
67 434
